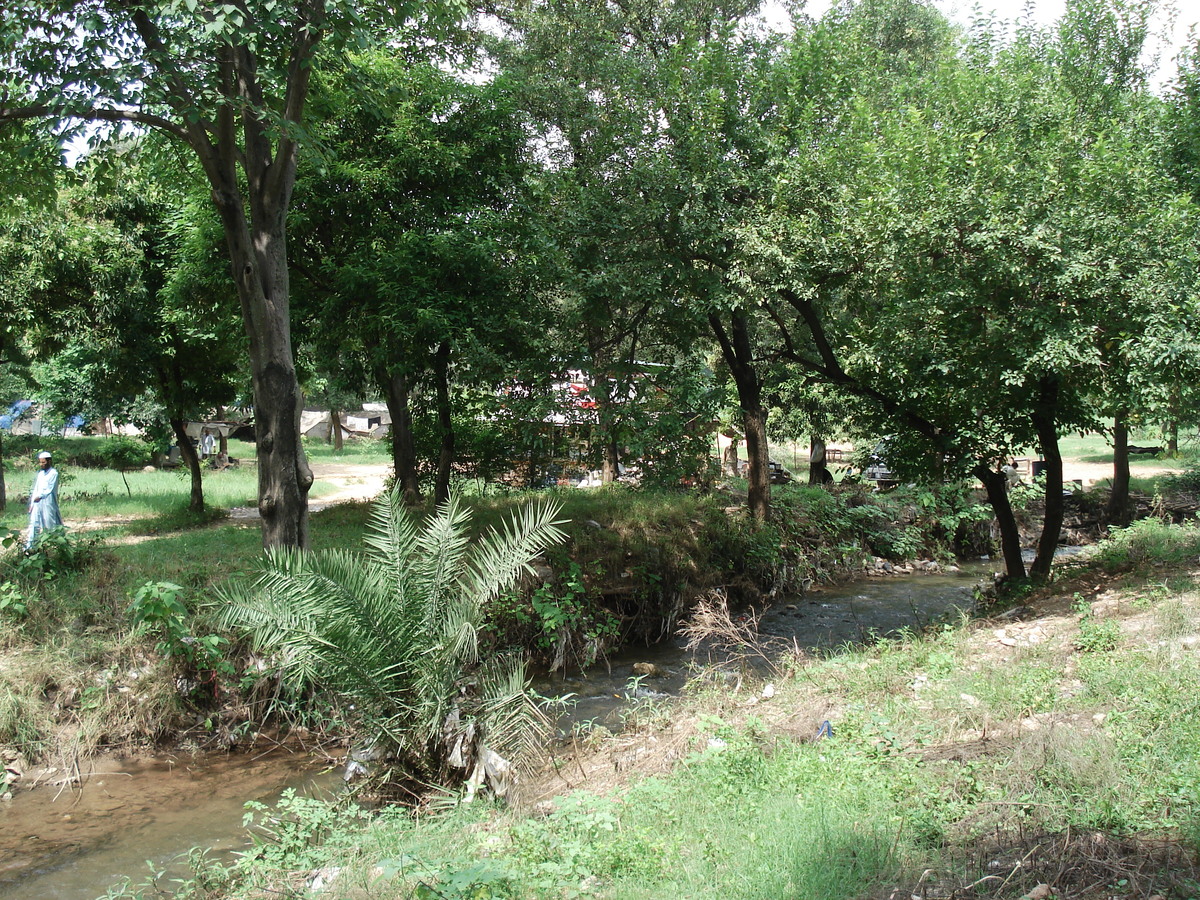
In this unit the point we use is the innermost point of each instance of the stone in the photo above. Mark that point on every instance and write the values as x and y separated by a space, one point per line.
322 878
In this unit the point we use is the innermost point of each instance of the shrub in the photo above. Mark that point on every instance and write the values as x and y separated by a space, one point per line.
1147 540
1186 482
392 633
157 607
54 553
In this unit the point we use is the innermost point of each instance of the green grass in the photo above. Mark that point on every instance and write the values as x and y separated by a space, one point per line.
1095 448
159 498
740 821
360 451
1147 541
941 741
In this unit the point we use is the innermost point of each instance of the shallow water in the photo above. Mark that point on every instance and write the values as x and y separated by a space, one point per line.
820 620
74 843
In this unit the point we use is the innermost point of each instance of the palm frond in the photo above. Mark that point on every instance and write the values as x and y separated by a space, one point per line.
503 555
394 632
391 533
510 719
441 549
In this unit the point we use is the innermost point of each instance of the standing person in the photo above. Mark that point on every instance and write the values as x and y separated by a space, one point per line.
43 500
1012 475
207 444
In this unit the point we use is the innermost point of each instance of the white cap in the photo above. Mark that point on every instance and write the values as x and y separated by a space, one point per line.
45 454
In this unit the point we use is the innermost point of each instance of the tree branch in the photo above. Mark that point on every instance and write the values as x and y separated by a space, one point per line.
93 114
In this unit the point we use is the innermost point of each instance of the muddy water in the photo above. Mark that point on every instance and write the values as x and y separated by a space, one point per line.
820 620
74 843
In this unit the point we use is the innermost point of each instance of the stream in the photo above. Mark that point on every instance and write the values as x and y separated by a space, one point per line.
823 619
74 843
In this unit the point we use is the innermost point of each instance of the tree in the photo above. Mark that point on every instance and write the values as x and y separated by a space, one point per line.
966 263
407 240
230 81
130 308
654 116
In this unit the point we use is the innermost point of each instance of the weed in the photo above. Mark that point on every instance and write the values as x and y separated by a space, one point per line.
157 607
54 553
1096 635
13 604
296 832
1148 541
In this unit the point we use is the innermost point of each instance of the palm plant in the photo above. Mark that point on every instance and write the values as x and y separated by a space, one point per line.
392 633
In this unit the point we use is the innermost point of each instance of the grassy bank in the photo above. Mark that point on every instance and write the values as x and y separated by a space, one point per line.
84 667
1056 744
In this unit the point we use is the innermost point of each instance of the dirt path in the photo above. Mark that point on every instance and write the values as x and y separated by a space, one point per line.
1090 473
352 482
356 483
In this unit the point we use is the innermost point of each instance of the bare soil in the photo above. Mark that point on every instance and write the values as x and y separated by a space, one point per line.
353 482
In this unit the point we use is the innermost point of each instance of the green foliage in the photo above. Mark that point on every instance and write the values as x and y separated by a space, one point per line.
392 634
157 607
1145 541
561 620
1187 481
1096 635
115 453
54 553
485 880
296 832
13 603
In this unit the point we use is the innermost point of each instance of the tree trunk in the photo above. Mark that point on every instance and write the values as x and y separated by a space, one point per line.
1119 512
3 487
258 253
1045 421
610 466
996 485
335 430
404 453
222 435
738 355
818 469
192 459
758 475
441 371
602 392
